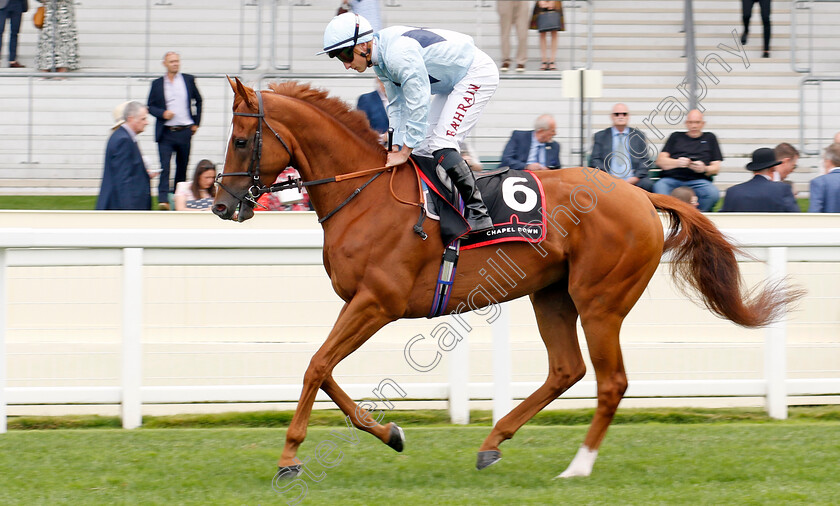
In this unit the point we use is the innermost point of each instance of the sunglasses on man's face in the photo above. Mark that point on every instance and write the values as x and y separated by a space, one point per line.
619 114
344 55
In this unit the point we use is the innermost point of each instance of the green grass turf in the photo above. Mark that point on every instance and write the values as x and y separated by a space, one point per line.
651 463
53 202
334 418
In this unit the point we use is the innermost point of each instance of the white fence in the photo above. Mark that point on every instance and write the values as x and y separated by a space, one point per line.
133 251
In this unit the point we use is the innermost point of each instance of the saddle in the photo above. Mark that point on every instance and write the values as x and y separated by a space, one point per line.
514 200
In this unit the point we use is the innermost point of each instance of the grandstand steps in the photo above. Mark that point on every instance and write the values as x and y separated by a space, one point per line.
637 45
754 104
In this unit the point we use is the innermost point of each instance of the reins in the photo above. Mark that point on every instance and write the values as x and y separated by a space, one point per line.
258 188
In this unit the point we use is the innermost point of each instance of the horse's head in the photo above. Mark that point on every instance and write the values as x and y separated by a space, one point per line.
253 159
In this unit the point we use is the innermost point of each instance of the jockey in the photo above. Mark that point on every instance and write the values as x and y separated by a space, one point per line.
437 83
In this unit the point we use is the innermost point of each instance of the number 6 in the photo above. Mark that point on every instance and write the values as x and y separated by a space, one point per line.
514 185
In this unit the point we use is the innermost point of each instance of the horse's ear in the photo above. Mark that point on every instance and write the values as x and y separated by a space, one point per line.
241 93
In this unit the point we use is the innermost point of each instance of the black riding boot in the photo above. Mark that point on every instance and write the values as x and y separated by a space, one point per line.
463 179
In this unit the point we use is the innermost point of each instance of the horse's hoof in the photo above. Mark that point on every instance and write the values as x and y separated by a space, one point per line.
396 440
288 472
487 458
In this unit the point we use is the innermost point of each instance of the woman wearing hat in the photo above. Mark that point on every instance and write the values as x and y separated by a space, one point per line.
761 194
437 83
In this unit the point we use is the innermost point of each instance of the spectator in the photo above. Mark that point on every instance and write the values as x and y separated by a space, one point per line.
374 105
622 150
12 10
514 13
549 55
125 181
119 115
533 149
444 81
198 194
760 194
789 157
285 200
837 137
825 189
58 45
746 12
368 9
176 103
691 159
686 194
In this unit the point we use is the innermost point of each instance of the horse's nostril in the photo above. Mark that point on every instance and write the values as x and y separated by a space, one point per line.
221 210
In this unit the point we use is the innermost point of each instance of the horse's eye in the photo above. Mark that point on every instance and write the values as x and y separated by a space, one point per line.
240 143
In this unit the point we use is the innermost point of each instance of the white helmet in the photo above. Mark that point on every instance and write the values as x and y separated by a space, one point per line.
346 30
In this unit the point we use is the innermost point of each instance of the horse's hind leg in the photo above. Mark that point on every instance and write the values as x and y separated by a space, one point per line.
556 317
605 353
603 306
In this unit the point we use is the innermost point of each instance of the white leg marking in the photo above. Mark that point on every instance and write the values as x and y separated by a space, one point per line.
582 463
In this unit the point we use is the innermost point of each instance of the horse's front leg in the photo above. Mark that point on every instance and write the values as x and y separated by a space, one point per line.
390 434
358 321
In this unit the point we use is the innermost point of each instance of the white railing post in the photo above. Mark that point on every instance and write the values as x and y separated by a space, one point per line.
501 364
3 303
459 377
132 331
775 360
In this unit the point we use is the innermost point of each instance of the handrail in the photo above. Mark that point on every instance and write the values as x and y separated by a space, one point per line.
588 65
258 56
812 80
31 76
690 54
274 64
572 23
803 5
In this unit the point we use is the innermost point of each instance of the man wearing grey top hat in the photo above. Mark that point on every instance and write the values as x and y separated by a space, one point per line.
761 194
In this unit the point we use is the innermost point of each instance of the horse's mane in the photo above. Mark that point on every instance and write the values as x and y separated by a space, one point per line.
355 120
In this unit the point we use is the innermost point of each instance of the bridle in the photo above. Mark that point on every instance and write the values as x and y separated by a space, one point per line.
258 189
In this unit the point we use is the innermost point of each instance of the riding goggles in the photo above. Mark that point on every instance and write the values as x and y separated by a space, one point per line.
344 55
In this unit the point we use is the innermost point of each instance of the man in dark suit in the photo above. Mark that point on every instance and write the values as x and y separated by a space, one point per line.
125 181
13 11
175 102
373 105
622 151
760 194
533 149
825 189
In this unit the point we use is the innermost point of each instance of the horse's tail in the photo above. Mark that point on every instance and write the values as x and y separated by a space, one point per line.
703 259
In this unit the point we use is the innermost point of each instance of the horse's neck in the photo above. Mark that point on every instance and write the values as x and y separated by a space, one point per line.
333 196
328 151
328 147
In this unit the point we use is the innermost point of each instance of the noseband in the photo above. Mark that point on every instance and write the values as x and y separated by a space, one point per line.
257 187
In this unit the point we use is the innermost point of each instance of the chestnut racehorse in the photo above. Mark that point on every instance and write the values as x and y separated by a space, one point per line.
603 244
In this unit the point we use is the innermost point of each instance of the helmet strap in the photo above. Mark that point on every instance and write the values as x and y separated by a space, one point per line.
367 53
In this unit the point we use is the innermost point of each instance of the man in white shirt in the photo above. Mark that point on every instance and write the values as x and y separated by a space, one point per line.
176 103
